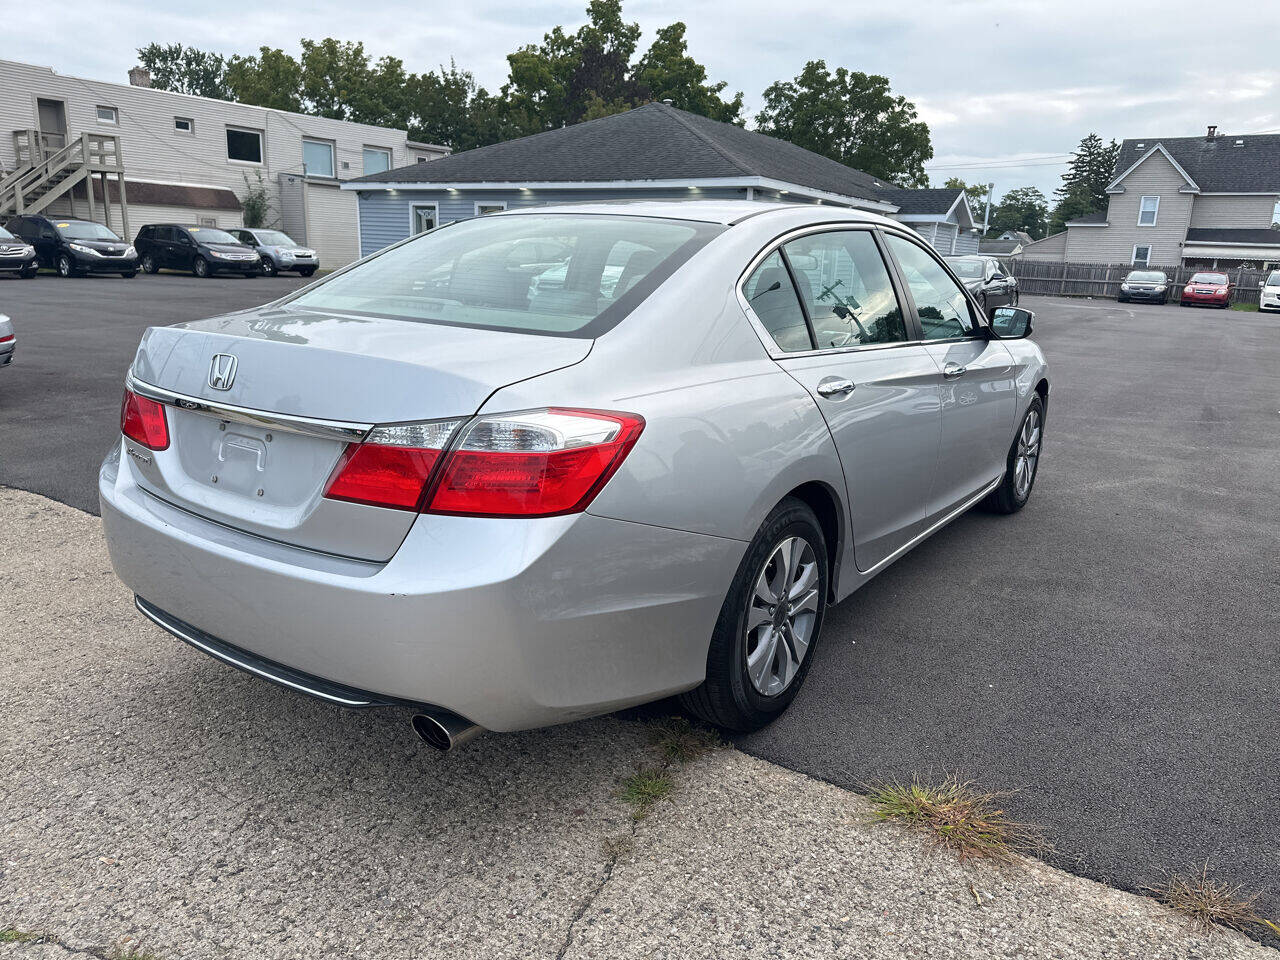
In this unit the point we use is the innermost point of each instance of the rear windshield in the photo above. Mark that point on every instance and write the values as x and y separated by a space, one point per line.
557 274
968 269
1146 276
84 230
211 235
1209 278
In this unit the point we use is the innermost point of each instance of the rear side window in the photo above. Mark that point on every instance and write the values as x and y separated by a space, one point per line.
941 304
553 274
774 301
846 290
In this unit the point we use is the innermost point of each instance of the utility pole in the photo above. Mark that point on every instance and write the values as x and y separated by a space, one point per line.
986 217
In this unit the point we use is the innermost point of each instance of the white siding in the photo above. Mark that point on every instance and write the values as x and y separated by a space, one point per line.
332 219
1051 249
967 242
1156 176
1242 212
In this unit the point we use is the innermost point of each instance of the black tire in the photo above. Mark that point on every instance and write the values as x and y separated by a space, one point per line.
1007 498
28 273
268 267
982 302
129 274
66 267
1122 299
728 697
149 264
1164 300
307 271
1016 296
200 267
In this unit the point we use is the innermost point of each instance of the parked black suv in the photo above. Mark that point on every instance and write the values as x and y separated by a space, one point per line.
75 247
202 250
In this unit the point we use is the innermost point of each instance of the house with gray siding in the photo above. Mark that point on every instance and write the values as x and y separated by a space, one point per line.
128 152
941 215
1211 201
653 152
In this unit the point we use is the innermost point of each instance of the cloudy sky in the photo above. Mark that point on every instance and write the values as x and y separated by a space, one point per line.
1008 88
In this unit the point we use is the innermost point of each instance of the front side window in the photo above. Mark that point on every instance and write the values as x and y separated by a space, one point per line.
773 299
1148 209
244 146
1141 255
108 115
941 304
535 273
845 288
376 160
422 217
317 158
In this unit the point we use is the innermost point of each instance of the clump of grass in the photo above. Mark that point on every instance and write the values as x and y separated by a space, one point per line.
679 741
643 789
957 815
14 935
1210 903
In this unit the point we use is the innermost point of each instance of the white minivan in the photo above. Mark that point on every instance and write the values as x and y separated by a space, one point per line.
1269 298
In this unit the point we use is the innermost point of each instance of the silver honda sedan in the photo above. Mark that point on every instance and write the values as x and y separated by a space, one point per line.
549 463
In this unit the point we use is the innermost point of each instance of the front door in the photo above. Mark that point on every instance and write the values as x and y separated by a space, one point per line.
975 377
829 304
53 124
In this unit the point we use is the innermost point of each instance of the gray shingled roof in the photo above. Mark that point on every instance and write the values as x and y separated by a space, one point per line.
932 200
1217 165
652 142
1232 235
1097 216
997 247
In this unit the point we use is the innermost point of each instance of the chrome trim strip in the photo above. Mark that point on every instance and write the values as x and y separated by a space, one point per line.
225 658
307 426
933 529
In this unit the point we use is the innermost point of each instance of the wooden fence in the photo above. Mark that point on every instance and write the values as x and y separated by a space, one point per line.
1103 279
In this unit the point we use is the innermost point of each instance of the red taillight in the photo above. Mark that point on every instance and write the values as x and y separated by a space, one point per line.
7 339
142 421
534 464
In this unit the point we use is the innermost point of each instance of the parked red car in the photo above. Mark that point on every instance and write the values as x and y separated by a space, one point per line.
1209 289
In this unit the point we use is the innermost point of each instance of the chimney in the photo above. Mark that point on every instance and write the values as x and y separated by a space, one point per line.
139 77
1213 131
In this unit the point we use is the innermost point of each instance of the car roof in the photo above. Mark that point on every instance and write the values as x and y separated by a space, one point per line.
727 212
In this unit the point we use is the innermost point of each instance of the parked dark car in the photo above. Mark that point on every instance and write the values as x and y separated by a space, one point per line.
278 251
202 250
75 247
987 279
1151 285
1207 289
17 256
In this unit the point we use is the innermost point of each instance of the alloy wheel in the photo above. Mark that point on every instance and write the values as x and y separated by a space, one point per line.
781 615
64 266
1024 465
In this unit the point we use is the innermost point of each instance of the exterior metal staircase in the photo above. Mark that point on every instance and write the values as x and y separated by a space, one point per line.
43 174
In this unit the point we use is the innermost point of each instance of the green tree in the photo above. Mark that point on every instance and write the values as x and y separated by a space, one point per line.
851 117
667 72
1084 185
270 79
1024 208
182 69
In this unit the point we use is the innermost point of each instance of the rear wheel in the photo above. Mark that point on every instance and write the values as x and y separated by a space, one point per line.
763 641
66 266
1022 464
200 267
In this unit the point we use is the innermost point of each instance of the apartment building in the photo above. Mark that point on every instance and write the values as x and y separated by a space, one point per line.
126 154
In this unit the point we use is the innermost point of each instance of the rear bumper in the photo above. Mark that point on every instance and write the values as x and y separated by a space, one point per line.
508 623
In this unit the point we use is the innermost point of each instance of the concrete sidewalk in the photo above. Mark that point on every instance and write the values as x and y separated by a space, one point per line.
154 799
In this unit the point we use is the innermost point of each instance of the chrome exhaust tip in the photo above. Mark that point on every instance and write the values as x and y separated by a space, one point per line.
444 730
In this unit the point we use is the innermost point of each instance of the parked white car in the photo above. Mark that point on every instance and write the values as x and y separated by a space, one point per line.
1269 296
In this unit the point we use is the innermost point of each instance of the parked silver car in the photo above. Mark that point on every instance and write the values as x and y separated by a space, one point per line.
278 251
8 341
431 481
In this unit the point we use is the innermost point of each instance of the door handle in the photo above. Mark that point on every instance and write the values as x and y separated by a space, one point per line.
953 370
835 387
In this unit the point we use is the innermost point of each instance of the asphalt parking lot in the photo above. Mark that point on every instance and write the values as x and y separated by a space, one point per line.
1111 652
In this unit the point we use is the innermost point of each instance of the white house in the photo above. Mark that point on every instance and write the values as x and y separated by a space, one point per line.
153 155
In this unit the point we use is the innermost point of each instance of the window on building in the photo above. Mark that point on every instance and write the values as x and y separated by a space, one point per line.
244 146
317 158
1275 215
108 115
1141 255
492 207
1148 208
184 125
422 217
376 160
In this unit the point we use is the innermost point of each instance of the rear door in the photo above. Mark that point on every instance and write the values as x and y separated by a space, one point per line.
828 304
974 375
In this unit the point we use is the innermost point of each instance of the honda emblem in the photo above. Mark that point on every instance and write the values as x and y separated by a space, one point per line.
222 371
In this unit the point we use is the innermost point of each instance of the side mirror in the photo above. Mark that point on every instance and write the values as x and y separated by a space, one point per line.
1011 323
997 276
